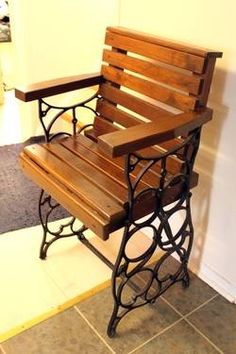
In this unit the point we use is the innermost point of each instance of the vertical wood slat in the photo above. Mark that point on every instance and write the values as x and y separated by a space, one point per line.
206 84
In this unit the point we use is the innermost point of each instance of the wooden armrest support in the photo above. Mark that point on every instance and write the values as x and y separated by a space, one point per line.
57 86
143 135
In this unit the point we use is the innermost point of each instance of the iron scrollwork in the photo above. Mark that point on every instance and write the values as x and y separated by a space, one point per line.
45 109
152 277
49 115
149 279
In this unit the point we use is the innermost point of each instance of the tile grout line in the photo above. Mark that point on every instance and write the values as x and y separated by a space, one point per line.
204 336
172 306
182 318
94 330
200 306
156 335
189 313
185 318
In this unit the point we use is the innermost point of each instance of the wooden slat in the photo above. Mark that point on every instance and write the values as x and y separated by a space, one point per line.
114 168
181 81
150 38
76 182
70 201
174 165
112 113
133 103
141 136
167 55
92 172
61 189
90 152
150 89
57 86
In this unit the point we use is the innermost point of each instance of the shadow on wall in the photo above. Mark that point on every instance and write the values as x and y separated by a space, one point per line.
205 165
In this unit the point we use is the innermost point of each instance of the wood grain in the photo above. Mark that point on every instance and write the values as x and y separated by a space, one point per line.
181 81
149 88
164 54
57 86
147 134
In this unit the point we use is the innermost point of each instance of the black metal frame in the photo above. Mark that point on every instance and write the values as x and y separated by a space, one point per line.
127 270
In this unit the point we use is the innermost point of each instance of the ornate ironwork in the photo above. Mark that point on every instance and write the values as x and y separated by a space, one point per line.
45 201
45 110
152 279
46 208
147 279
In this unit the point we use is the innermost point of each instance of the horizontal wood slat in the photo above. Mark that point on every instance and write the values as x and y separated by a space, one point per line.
147 134
174 165
181 81
167 55
57 86
131 102
108 182
75 205
75 181
113 168
183 47
112 113
150 89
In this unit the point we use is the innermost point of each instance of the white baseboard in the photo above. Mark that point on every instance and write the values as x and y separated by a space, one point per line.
216 281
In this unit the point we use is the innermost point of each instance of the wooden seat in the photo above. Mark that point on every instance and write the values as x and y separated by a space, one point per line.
136 159
88 183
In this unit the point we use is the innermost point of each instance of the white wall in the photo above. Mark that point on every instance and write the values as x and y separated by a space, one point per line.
209 24
56 38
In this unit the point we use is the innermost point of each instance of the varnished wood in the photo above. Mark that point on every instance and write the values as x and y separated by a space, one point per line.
55 87
69 200
183 47
112 113
149 88
152 93
164 54
70 186
135 138
131 102
181 81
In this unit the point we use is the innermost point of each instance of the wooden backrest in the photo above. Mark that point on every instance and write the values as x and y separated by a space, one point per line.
146 77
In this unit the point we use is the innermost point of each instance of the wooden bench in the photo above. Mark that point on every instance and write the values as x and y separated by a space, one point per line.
133 168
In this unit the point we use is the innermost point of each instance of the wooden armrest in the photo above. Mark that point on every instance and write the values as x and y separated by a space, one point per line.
143 135
54 87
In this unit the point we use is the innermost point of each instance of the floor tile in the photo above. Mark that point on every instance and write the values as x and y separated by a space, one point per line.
26 290
62 334
137 327
180 339
217 320
186 300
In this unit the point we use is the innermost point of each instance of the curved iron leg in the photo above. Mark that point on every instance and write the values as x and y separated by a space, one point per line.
66 229
127 270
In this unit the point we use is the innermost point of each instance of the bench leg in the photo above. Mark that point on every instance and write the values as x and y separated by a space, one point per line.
147 274
68 229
